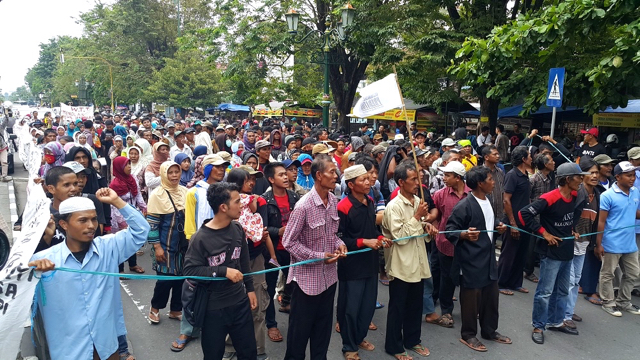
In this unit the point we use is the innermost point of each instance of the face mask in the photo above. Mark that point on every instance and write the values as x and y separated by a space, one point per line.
228 142
49 159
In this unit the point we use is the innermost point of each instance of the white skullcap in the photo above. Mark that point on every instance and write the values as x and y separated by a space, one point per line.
354 171
76 203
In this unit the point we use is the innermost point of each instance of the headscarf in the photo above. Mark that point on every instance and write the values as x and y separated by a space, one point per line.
120 130
246 155
199 150
221 141
159 201
198 171
58 152
186 175
306 181
123 183
140 164
384 167
158 159
68 146
146 155
236 153
247 145
58 136
71 132
92 184
281 140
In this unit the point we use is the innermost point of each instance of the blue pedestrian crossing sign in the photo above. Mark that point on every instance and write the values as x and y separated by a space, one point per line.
555 87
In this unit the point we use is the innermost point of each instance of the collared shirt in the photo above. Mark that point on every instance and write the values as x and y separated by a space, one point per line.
445 200
81 310
469 162
621 208
497 193
310 233
482 140
407 259
540 184
517 184
636 184
175 150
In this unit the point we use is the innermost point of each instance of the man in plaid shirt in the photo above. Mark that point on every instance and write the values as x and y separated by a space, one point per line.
311 233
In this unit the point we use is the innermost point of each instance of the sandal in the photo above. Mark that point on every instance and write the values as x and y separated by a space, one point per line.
365 345
140 252
274 335
384 282
499 338
180 344
522 290
421 350
445 321
175 316
594 299
506 292
372 326
532 277
351 355
137 269
474 344
154 317
127 356
403 356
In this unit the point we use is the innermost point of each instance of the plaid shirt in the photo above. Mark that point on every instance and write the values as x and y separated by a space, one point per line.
445 199
310 233
540 184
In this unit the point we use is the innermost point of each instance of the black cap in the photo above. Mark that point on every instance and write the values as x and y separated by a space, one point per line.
308 141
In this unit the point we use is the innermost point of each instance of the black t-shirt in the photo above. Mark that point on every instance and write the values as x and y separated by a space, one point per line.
517 184
107 144
592 151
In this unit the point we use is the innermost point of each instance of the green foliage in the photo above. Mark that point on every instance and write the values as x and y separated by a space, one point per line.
22 94
596 41
187 80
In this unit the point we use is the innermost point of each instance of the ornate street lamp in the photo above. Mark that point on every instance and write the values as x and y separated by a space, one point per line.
292 21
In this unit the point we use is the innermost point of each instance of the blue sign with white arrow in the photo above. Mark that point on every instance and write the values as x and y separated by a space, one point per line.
555 87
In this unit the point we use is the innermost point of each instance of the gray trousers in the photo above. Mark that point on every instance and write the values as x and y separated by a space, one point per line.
259 313
630 272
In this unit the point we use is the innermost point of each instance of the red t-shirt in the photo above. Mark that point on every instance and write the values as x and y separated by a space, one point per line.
283 205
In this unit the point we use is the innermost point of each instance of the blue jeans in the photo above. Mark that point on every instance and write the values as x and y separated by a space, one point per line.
123 347
550 299
188 329
427 297
574 285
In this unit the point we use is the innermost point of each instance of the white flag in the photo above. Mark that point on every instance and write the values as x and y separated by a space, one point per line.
378 97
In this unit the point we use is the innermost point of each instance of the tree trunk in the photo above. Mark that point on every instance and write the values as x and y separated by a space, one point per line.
489 108
344 80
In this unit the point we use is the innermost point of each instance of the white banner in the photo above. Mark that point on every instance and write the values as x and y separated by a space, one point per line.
18 281
71 113
378 97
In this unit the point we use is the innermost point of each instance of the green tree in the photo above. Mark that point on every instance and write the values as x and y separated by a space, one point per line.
22 93
594 40
189 80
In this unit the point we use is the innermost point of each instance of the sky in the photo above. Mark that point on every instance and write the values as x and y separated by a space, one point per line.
28 23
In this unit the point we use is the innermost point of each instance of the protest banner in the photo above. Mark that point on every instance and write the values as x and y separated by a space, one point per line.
71 113
17 281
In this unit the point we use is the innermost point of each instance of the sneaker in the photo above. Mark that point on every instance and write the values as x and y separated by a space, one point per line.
229 355
633 309
612 310
263 357
6 178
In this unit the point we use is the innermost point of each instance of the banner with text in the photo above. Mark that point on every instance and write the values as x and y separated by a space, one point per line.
311 113
267 112
394 115
70 113
621 120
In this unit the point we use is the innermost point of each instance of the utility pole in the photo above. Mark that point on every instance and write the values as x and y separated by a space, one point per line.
177 2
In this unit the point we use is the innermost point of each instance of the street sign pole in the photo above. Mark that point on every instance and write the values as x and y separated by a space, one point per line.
554 93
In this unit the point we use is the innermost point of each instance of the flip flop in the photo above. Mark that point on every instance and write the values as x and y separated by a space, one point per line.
156 317
379 305
274 335
522 290
137 269
595 300
365 345
175 317
506 292
421 350
384 282
181 342
373 326
403 356
474 344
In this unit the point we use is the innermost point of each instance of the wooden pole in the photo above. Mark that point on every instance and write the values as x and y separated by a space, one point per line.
406 119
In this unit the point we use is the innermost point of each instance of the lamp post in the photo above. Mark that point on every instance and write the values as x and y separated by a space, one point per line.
83 89
330 37
94 58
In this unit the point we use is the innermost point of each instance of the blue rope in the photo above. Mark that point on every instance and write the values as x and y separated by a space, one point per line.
558 150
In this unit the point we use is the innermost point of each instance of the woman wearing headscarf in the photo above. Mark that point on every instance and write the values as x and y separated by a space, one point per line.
152 172
82 155
237 148
223 143
147 152
198 171
137 164
60 132
304 172
199 150
184 161
53 156
129 142
117 148
165 214
276 143
127 188
82 141
72 128
248 145
120 130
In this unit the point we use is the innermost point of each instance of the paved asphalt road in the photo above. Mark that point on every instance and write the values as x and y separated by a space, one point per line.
601 335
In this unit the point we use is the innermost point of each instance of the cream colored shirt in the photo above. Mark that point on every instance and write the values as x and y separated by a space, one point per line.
407 259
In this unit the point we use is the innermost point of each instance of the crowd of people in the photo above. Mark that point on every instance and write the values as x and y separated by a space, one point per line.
228 197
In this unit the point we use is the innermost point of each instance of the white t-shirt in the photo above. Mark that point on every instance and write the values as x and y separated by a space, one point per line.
487 211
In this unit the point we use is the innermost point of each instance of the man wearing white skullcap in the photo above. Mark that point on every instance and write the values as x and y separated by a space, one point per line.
82 310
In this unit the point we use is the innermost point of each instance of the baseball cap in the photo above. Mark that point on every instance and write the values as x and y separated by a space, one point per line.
378 149
220 128
178 133
308 141
593 131
321 149
208 124
213 159
288 162
464 142
251 171
76 167
377 136
569 169
170 124
352 156
634 153
421 133
198 122
261 144
623 167
455 167
229 127
448 142
189 130
603 159
305 161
